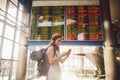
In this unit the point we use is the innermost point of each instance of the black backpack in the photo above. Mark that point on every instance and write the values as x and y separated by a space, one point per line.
42 59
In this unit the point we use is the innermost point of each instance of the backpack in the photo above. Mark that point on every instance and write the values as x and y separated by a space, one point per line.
42 61
43 64
36 55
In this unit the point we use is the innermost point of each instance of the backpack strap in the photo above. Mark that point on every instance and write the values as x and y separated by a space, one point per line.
54 51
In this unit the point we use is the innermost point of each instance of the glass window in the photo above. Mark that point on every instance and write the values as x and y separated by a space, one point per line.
17 39
90 66
12 10
14 69
11 20
0 40
2 8
3 4
19 18
5 69
1 28
9 32
7 49
16 51
2 14
75 66
24 17
21 7
20 15
19 23
15 1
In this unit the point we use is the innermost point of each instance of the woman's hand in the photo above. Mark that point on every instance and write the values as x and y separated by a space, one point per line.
68 52
63 54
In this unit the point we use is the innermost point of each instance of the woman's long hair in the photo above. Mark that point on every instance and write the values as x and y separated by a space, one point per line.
53 39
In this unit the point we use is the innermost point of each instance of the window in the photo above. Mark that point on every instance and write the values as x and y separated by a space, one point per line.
19 18
75 65
20 15
16 51
14 70
7 49
21 7
10 22
17 36
0 40
15 2
12 12
3 4
2 8
9 32
2 15
5 69
74 68
1 28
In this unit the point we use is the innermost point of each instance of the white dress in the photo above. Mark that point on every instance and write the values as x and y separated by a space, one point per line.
54 72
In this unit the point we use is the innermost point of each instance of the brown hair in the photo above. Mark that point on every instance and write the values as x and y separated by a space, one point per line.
55 36
53 39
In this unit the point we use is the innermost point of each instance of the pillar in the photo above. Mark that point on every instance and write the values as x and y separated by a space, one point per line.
108 49
22 61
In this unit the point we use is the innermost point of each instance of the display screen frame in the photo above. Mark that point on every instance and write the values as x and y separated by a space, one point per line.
65 28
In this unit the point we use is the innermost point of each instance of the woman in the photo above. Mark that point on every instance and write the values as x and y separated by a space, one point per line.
55 57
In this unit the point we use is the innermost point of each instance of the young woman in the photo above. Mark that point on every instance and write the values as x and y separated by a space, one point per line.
55 57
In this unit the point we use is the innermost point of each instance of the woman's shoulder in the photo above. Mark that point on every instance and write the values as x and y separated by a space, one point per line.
50 47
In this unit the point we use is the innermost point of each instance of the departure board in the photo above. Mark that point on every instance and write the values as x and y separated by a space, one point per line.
84 23
81 23
47 21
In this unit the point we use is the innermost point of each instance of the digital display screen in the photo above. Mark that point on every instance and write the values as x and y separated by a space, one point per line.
81 23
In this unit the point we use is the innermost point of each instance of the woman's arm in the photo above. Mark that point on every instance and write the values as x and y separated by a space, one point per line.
63 59
67 55
52 59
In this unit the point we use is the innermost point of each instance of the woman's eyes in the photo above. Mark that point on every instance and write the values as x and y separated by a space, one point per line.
59 40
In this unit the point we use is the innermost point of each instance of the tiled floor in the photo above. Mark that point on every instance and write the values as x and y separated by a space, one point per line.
69 76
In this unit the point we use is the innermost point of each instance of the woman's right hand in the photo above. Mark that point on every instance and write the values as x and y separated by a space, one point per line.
68 52
63 54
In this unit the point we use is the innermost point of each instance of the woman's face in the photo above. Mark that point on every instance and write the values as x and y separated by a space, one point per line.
58 41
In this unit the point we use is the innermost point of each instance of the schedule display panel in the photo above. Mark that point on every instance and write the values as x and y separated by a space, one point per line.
75 23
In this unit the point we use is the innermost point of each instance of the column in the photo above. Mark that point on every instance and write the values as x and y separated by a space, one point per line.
108 49
22 62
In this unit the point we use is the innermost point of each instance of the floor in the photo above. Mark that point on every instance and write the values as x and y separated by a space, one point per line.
69 76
